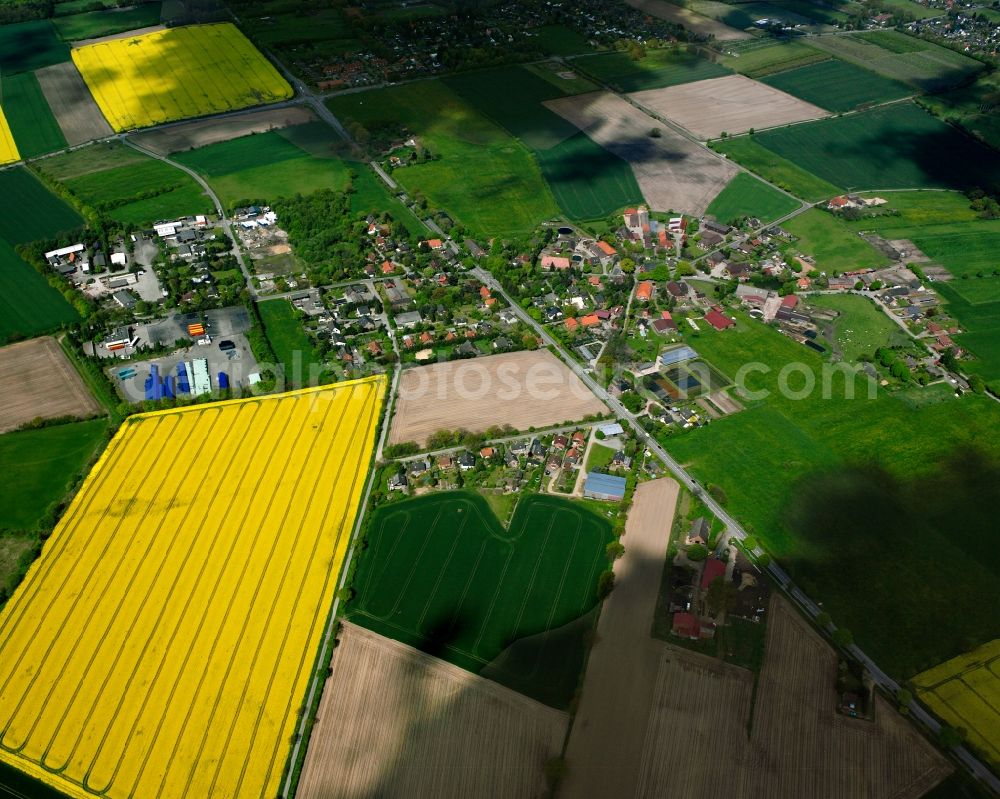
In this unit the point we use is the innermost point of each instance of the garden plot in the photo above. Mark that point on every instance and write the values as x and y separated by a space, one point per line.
734 104
38 382
395 722
674 173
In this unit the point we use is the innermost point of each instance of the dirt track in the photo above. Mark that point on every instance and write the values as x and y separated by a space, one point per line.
36 381
395 722
522 389
733 104
674 173
79 118
178 138
606 743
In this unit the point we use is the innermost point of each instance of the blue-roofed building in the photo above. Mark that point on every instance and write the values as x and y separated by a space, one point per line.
677 355
604 486
611 429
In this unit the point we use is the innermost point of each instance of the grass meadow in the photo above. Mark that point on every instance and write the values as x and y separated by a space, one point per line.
264 167
862 326
660 68
288 340
37 214
898 146
29 306
839 490
27 46
755 61
835 246
440 573
39 467
93 24
586 180
481 175
745 150
744 196
972 106
837 85
31 121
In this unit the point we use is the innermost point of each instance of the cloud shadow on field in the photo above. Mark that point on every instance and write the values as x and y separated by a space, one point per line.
904 562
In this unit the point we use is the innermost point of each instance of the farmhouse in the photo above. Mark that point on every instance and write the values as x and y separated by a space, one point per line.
644 291
717 320
604 487
698 534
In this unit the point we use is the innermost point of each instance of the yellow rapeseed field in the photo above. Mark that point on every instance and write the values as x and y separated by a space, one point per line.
8 150
177 73
163 643
965 692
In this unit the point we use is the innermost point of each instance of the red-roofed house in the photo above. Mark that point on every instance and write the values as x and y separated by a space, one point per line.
789 301
388 267
686 625
434 244
718 320
484 292
644 291
606 248
665 315
555 262
714 568
594 280
590 320
426 338
572 325
803 283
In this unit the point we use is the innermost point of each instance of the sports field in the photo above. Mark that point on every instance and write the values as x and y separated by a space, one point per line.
138 663
8 150
484 177
26 46
659 68
837 85
28 304
835 246
858 502
747 196
265 167
37 214
30 119
780 171
203 69
897 146
40 465
965 692
441 574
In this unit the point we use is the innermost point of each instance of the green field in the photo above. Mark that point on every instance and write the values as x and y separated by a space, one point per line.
744 196
921 64
837 85
40 465
981 320
972 106
36 214
549 71
142 192
835 246
264 167
482 175
31 121
87 160
29 306
27 46
895 146
558 40
440 573
658 69
862 326
755 62
599 457
780 171
93 24
289 341
860 499
587 181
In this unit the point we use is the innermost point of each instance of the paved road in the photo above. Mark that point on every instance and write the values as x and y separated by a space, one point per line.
227 224
733 528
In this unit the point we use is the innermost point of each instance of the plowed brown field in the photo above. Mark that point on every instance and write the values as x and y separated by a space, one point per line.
395 722
522 389
36 381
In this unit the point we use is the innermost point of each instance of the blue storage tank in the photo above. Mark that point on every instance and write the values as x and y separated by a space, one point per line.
154 385
168 387
223 381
